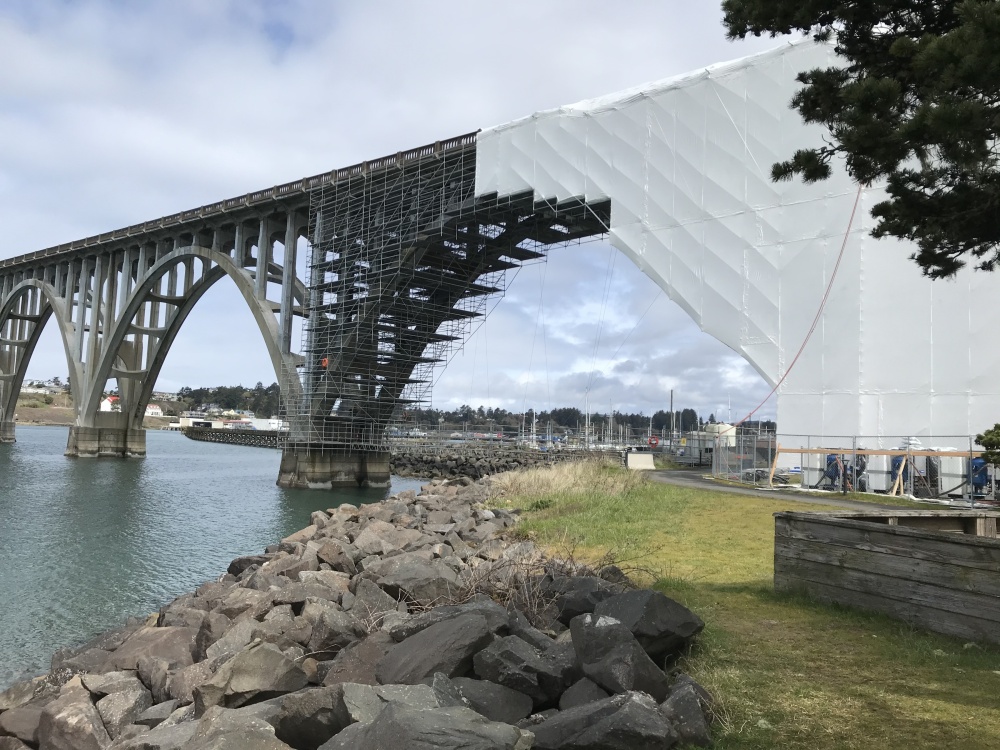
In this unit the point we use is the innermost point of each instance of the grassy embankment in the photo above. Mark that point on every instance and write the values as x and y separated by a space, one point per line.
786 672
58 410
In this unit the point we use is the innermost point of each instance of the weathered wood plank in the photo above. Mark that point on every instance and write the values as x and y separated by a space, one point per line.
937 573
967 627
958 603
967 551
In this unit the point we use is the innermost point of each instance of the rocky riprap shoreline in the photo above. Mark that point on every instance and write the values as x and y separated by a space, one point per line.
444 462
413 623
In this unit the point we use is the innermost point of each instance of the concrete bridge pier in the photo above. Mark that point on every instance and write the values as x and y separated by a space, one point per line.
311 468
7 432
106 439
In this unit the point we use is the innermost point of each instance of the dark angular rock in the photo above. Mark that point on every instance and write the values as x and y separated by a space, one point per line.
421 581
358 661
515 664
446 647
240 564
519 626
631 721
453 728
334 629
371 602
496 617
495 702
580 693
683 709
260 672
577 595
609 654
156 715
12 743
662 626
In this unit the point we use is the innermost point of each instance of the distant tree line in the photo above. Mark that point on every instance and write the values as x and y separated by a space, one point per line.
567 417
261 400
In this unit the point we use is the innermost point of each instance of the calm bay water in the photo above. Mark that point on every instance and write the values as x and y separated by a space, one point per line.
86 543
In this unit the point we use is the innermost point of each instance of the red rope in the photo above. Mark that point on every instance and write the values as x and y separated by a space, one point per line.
819 314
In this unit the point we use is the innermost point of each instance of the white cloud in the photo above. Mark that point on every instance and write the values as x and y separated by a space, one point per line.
114 113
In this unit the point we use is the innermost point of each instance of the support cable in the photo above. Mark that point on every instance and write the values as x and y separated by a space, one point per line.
816 319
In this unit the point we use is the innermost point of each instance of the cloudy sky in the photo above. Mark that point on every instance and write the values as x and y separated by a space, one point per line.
113 113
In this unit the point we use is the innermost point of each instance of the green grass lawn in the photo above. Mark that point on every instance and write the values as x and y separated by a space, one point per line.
786 672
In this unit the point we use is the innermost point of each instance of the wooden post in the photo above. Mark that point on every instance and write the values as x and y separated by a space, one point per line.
774 465
899 478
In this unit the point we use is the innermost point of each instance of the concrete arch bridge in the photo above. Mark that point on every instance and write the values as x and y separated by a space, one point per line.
402 252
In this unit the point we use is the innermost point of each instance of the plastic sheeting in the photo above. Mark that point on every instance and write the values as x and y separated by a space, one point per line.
686 165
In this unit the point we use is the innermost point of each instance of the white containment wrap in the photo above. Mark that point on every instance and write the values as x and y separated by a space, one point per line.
686 165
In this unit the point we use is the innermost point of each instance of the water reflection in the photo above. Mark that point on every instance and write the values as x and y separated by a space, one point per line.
86 543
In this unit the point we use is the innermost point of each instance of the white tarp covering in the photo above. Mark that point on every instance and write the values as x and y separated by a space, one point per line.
686 164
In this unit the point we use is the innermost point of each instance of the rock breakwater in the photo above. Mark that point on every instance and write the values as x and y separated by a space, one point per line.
415 622
475 462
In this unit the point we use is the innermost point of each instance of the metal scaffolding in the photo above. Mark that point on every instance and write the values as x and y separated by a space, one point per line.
404 258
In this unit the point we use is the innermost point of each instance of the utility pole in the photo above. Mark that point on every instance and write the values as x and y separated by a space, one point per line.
671 417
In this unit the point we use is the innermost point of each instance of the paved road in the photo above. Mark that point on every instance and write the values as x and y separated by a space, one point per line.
695 480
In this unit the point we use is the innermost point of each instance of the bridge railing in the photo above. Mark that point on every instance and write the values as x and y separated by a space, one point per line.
275 193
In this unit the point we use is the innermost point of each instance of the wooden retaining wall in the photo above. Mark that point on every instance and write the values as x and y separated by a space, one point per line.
938 570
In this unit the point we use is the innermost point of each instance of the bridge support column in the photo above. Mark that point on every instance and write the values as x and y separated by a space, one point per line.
101 442
324 469
7 432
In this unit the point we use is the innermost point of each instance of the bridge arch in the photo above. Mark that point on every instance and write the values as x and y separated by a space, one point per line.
131 361
24 312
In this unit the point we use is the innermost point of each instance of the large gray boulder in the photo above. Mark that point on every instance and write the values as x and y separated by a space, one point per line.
174 645
71 722
162 737
496 617
121 708
12 743
446 647
111 682
260 672
631 721
304 719
495 702
22 722
371 603
222 729
609 654
517 665
358 661
423 581
662 626
20 693
332 629
454 728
